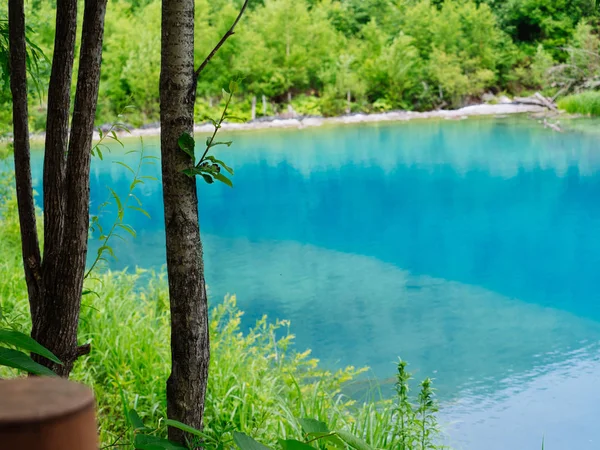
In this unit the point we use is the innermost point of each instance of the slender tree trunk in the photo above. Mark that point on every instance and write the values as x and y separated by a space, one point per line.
186 386
18 86
55 285
57 322
57 130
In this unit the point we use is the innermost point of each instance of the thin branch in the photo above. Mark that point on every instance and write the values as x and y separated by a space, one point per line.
226 36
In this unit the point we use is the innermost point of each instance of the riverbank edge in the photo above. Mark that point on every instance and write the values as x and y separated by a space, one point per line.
392 116
481 110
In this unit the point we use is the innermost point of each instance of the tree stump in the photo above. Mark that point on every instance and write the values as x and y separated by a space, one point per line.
46 414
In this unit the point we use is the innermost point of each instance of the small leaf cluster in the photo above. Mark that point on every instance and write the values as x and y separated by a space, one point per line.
111 133
208 167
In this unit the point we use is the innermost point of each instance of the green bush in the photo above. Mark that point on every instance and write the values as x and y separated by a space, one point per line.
587 103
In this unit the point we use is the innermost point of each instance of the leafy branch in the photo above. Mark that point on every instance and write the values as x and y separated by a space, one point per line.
209 167
110 134
122 205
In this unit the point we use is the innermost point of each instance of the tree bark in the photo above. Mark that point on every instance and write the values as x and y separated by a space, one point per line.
56 320
55 284
190 354
57 131
18 86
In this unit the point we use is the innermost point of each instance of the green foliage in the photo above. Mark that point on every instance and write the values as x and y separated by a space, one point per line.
587 103
530 22
15 358
417 54
123 204
209 167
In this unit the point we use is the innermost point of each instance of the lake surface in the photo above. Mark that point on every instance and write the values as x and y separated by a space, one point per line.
469 248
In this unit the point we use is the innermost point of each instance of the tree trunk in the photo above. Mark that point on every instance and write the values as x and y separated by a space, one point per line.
57 130
55 325
18 86
55 285
186 386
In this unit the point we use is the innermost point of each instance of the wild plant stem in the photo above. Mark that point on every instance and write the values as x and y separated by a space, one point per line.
217 127
118 220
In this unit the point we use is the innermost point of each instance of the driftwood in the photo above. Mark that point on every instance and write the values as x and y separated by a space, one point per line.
536 99
553 126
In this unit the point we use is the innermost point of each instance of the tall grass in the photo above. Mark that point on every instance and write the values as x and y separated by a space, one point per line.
257 383
587 103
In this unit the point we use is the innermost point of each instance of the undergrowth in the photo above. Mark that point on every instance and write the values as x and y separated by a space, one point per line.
258 384
587 103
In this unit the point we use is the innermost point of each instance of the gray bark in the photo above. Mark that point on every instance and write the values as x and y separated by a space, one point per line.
190 354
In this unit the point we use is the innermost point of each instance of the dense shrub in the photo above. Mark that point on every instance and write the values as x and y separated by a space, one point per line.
587 103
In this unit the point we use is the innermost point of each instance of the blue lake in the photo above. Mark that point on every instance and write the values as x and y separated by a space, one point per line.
469 248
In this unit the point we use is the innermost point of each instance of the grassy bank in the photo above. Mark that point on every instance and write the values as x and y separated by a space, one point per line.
587 103
258 384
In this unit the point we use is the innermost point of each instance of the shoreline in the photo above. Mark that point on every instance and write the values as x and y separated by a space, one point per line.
481 110
393 116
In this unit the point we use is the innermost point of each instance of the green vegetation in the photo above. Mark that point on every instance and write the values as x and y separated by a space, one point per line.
584 103
258 384
328 57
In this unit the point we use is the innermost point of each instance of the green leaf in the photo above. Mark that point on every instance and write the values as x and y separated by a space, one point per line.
25 342
241 119
90 292
187 144
293 444
183 427
19 360
207 178
124 165
313 426
119 204
147 442
135 420
222 178
329 437
213 144
108 249
143 211
221 163
233 86
134 183
245 442
127 228
192 172
353 441
99 154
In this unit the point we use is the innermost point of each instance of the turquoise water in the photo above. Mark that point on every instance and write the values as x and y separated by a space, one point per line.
469 248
